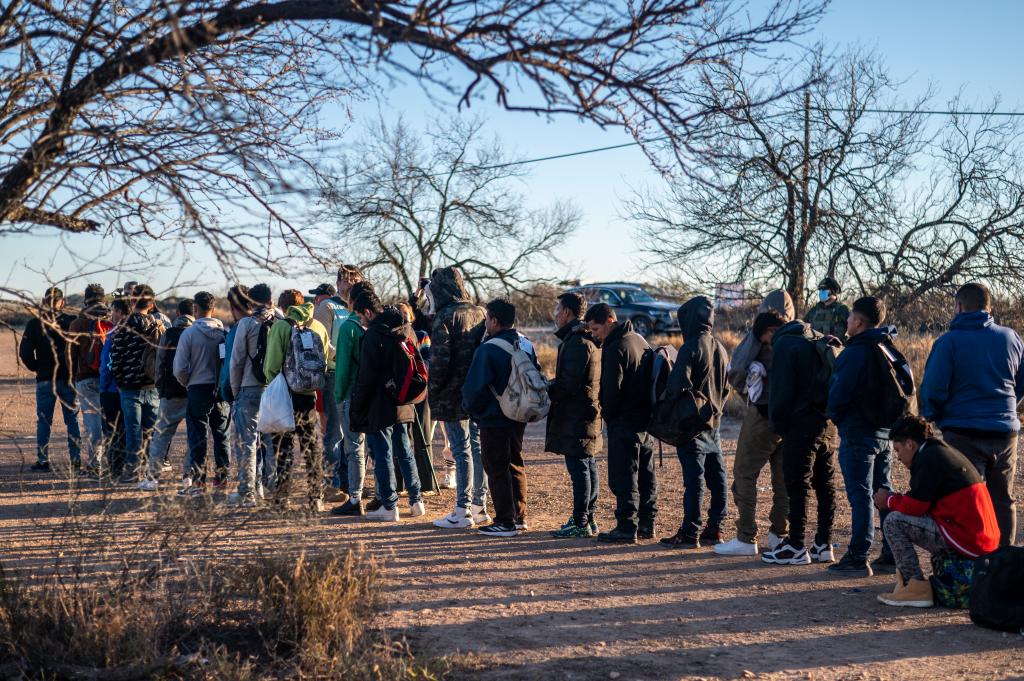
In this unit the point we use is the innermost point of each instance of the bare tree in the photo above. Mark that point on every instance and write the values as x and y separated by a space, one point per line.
405 204
151 118
790 184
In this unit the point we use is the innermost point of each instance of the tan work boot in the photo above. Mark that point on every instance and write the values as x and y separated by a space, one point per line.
916 593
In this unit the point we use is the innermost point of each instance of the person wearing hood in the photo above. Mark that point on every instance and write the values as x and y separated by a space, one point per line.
758 444
828 316
45 350
245 375
331 309
700 369
454 336
376 413
574 422
133 366
173 401
865 457
197 367
973 383
796 409
299 317
625 396
88 333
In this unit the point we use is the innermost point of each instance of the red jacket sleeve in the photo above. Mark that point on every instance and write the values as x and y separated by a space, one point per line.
904 503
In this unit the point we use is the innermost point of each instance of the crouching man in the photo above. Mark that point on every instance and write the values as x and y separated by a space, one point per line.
947 508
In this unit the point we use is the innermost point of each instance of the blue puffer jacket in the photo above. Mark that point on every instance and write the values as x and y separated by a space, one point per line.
846 391
974 378
491 367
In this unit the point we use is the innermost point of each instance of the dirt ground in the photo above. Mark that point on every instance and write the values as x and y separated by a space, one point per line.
534 607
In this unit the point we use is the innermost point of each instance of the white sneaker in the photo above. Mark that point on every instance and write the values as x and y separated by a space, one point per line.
458 519
822 553
148 485
735 547
773 541
448 481
384 514
521 525
417 509
480 515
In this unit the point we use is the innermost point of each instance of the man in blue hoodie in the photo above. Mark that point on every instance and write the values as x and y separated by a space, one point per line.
865 457
973 382
501 439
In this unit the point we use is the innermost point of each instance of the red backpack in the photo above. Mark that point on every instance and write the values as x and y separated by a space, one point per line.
407 383
99 336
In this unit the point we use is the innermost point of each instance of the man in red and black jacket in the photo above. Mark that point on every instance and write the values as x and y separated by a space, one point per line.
947 508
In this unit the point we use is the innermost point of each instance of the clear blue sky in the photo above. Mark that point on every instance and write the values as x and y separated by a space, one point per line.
956 46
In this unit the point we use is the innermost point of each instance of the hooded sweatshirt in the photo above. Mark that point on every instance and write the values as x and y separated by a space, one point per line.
167 384
245 348
277 345
846 392
701 363
626 362
973 379
372 409
752 350
457 330
198 357
793 399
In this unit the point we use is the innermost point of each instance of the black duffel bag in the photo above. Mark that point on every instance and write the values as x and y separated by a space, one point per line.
997 590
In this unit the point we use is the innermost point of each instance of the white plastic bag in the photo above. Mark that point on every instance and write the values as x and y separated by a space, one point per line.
276 414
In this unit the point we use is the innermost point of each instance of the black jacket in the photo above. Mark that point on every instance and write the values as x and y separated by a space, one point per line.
792 398
626 361
454 337
46 351
574 421
133 352
372 408
702 361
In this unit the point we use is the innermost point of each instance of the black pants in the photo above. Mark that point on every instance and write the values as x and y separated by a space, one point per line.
631 477
501 450
205 412
808 461
423 448
307 432
113 431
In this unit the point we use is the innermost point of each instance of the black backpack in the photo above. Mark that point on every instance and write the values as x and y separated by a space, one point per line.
261 350
167 385
889 389
675 419
997 590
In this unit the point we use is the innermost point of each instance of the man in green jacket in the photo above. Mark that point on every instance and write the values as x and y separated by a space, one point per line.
828 316
348 343
307 424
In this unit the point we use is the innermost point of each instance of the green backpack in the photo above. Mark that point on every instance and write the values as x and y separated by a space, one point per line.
951 579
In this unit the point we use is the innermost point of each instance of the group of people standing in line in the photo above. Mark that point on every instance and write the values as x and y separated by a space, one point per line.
807 384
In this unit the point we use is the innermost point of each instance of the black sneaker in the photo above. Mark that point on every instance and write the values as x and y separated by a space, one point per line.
885 564
373 504
40 467
498 530
645 531
710 536
680 540
617 536
349 508
785 554
848 566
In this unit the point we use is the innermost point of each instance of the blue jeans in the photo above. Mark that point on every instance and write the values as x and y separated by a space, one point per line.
332 434
470 479
866 464
246 442
139 411
88 390
47 394
702 463
352 455
207 413
172 413
585 485
381 444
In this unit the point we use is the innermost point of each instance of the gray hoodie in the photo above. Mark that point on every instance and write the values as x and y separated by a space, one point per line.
244 349
750 349
197 361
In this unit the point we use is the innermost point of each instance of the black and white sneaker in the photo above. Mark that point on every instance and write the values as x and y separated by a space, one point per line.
786 555
498 530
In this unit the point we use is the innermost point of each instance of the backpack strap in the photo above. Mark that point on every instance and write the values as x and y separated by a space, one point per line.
503 344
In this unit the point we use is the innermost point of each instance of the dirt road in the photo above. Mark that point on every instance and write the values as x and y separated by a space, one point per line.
534 607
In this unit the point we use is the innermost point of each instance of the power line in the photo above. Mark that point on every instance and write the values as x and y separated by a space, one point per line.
635 143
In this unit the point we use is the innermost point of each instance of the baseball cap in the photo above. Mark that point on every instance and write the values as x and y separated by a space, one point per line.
323 290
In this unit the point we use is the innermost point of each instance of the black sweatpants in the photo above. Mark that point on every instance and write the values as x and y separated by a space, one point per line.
808 461
631 477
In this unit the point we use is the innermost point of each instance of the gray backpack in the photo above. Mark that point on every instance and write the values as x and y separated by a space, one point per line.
305 363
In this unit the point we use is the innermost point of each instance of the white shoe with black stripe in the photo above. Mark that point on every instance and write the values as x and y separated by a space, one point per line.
786 555
496 530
